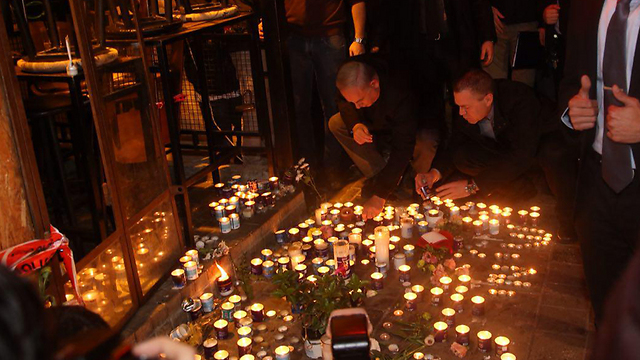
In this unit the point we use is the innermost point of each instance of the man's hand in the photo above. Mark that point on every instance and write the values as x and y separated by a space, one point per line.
497 16
171 350
582 110
486 53
623 123
356 49
453 190
361 134
551 14
542 34
372 207
260 30
427 179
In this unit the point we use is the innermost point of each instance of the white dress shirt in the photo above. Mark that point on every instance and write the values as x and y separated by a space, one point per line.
633 25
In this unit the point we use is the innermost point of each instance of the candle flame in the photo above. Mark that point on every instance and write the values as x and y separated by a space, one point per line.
223 274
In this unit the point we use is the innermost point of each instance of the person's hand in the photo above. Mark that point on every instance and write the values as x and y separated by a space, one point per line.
172 350
372 207
260 30
486 53
551 14
623 122
453 190
356 49
582 110
497 16
361 134
542 33
428 179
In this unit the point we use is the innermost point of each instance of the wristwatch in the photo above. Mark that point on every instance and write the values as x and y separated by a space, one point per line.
360 41
471 187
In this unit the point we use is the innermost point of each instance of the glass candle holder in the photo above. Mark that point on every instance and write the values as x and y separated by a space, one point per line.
440 331
484 341
462 335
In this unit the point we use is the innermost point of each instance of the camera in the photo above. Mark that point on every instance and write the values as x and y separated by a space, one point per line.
350 337
426 192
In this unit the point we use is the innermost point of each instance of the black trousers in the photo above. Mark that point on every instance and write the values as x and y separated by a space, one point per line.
608 226
554 156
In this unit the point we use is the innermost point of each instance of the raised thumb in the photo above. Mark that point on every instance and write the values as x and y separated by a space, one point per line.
585 83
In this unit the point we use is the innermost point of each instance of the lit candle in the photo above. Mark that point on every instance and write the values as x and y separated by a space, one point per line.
409 251
235 221
478 306
436 295
457 301
322 248
534 218
268 269
462 335
239 315
502 345
221 355
376 281
411 302
191 270
256 266
244 346
523 216
222 329
244 332
418 356
477 226
418 290
225 285
210 347
494 226
323 270
207 302
301 269
179 278
227 310
445 281
461 289
406 227
440 331
454 211
467 221
382 244
507 356
235 300
257 312
449 316
282 352
283 262
297 259
404 273
484 341
355 239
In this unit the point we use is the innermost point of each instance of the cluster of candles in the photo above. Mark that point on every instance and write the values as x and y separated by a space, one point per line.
189 270
244 200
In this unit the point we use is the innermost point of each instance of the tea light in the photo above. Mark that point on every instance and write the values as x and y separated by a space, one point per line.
445 281
207 302
462 334
411 301
440 331
244 332
464 279
191 270
418 356
239 315
457 301
244 346
502 345
436 295
365 262
484 341
377 281
478 306
282 352
398 313
222 329
507 356
404 273
449 316
221 355
418 290
462 289
179 278
257 312
256 266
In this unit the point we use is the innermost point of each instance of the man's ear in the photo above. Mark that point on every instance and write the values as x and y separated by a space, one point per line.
375 83
488 99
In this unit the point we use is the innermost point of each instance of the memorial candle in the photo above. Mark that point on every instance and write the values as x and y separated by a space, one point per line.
210 347
502 345
457 300
440 331
478 306
179 279
221 355
462 335
245 332
418 290
534 218
376 281
282 352
445 281
256 266
404 273
507 356
225 285
191 269
227 310
449 316
222 329
494 226
207 302
477 227
257 312
436 295
244 346
411 302
236 301
484 341
382 244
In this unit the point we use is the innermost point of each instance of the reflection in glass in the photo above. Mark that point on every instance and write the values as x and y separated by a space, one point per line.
103 285
155 243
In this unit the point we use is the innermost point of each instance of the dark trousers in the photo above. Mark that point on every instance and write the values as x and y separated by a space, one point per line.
608 226
316 60
553 156
226 116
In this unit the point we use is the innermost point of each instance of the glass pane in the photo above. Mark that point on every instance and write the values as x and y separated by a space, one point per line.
103 285
155 242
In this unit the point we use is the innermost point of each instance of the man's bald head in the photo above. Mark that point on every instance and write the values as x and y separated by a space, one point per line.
358 83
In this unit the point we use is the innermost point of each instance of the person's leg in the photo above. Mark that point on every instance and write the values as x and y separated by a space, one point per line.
328 53
527 76
366 157
559 162
427 141
499 68
302 82
607 227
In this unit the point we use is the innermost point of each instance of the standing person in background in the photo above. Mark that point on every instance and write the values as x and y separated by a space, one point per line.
317 47
553 31
510 18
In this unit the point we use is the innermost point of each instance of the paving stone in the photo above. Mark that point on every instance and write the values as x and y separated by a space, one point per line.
557 346
563 320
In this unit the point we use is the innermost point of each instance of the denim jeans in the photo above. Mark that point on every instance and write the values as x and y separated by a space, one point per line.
316 59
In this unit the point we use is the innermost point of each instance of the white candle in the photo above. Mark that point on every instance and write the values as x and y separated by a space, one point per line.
382 244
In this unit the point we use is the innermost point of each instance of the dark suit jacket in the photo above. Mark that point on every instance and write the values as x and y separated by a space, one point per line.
520 118
398 24
581 59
